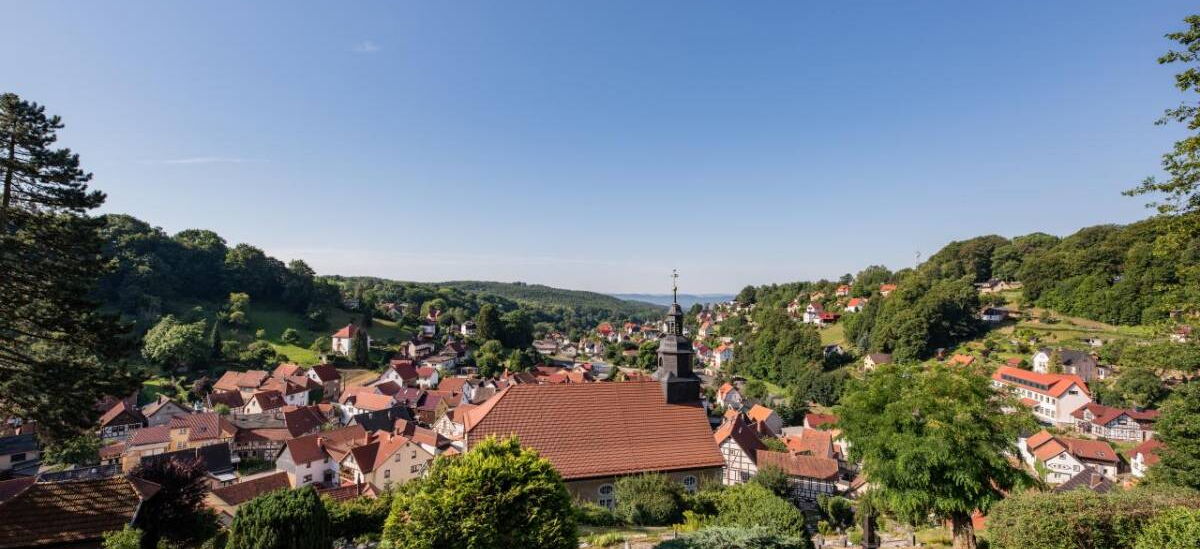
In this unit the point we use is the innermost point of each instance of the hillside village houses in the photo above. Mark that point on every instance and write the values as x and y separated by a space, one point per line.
1069 361
1063 458
342 340
1051 397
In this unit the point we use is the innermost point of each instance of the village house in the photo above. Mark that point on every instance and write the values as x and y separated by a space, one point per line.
1063 458
418 349
342 341
226 499
327 376
993 314
1114 423
855 304
427 377
1079 363
383 460
183 432
809 476
162 411
19 455
467 329
313 459
261 436
121 421
1144 456
1182 334
817 421
729 396
873 360
402 371
215 459
739 445
886 289
765 420
843 290
1052 397
722 355
263 401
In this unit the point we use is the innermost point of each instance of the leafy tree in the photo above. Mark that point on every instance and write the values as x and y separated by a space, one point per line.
487 323
1139 387
490 358
1181 190
53 339
359 516
214 340
517 330
290 336
747 296
172 343
1179 429
125 538
749 505
836 510
933 441
1177 528
782 349
283 519
499 495
649 499
82 450
773 478
176 512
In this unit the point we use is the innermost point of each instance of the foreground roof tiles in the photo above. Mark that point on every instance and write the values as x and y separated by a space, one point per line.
599 429
70 512
800 465
237 494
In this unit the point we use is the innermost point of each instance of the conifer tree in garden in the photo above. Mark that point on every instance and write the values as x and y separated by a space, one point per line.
53 339
361 348
283 519
934 441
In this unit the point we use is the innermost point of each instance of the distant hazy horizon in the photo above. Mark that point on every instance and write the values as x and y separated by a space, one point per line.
597 146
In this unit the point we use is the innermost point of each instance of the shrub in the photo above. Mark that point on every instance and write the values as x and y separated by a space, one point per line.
837 511
604 540
283 519
126 538
498 495
1177 528
290 336
738 538
749 505
1080 518
772 478
358 517
591 514
649 500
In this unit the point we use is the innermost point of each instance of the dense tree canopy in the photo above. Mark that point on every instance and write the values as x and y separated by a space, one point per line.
283 519
496 496
934 441
1179 429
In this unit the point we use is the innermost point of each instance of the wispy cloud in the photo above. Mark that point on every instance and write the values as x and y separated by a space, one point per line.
200 160
366 46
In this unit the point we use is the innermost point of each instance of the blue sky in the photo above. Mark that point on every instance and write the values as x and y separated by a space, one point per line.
598 145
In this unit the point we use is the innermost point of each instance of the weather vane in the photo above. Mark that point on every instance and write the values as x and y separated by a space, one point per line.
675 285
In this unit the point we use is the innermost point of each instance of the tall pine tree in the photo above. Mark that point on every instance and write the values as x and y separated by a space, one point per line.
360 347
53 339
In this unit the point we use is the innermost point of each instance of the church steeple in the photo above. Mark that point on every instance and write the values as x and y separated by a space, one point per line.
680 384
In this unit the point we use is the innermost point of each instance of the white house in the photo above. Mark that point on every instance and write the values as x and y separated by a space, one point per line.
856 304
739 445
342 340
313 459
729 397
427 377
1073 362
1063 458
1052 397
722 355
1143 457
812 314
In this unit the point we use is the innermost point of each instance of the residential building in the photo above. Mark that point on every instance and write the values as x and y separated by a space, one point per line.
226 499
19 455
1115 423
342 341
313 459
1063 458
739 445
808 476
328 377
843 290
722 355
766 420
856 304
886 289
384 459
1052 397
215 459
1144 456
120 421
729 397
873 360
162 411
1078 363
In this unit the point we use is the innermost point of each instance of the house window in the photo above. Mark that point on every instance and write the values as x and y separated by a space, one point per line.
414 469
690 483
387 473
307 479
607 496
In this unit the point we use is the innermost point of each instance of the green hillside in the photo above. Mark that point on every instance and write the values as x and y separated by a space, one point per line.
546 296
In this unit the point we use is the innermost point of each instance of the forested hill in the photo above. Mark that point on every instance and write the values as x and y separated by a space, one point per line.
546 296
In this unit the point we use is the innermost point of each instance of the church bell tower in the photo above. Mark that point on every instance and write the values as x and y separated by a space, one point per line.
675 355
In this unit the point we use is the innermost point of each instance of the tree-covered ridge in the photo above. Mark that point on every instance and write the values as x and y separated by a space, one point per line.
580 301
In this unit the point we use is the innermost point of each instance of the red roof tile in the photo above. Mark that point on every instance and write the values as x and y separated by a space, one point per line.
347 331
816 467
70 512
816 421
1049 384
613 428
326 372
237 494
